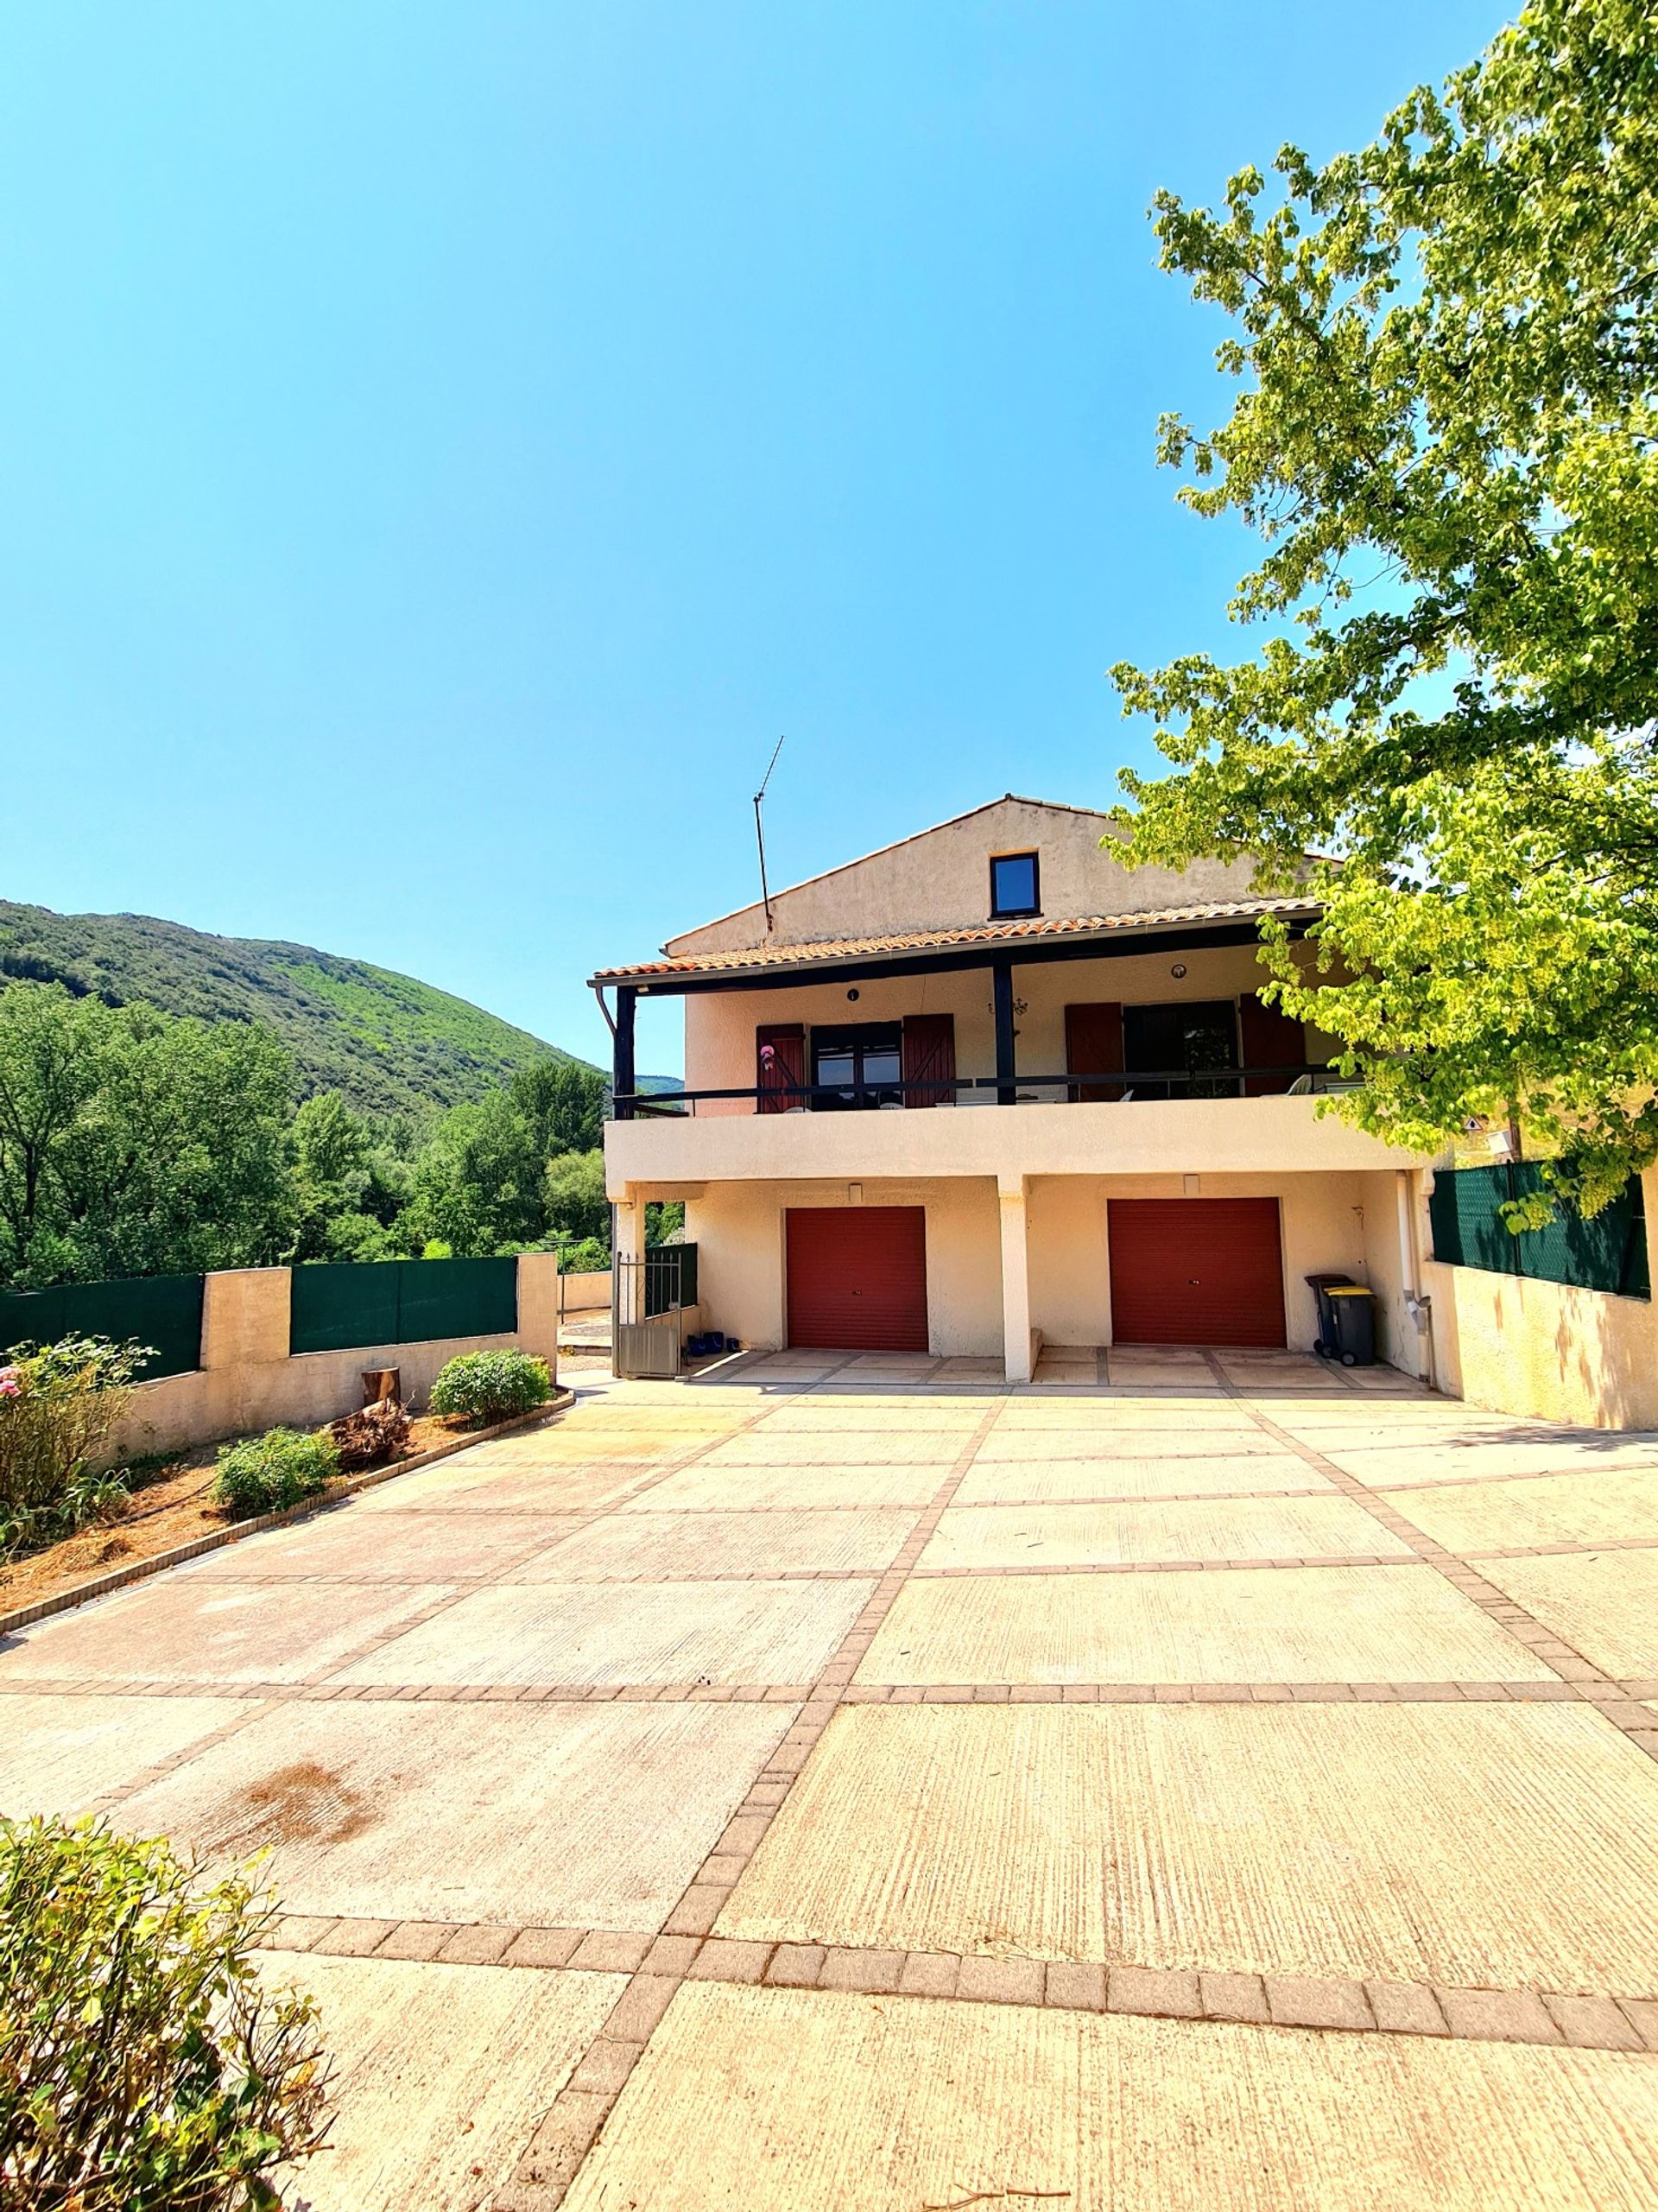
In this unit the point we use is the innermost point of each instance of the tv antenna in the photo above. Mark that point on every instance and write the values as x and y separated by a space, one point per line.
760 831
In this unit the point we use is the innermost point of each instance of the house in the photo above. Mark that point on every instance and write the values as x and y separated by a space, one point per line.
987 1088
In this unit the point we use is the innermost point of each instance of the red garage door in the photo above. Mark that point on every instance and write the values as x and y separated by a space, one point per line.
1196 1270
858 1278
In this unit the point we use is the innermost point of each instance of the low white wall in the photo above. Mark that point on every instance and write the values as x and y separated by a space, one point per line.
586 1293
248 1379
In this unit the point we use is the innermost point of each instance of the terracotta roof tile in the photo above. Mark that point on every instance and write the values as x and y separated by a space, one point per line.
832 950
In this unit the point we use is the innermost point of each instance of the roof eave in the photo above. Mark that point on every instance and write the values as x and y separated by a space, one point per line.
688 970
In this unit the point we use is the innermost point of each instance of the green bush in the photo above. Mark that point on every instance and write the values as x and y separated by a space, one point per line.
484 1386
142 2067
588 1256
264 1473
58 1404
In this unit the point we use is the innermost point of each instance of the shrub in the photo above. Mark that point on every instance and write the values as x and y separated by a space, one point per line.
588 1256
58 1404
263 1473
142 2067
485 1386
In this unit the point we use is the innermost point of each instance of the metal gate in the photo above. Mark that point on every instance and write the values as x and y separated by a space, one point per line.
649 1296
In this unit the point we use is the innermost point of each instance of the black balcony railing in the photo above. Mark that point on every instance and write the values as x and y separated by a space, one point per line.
1117 1086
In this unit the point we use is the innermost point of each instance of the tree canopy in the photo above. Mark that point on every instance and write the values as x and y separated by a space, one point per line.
134 1141
1448 437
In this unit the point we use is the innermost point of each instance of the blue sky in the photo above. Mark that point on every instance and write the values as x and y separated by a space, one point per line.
442 446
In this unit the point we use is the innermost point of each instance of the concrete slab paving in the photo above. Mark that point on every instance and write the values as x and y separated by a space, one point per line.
1585 1508
178 1629
66 1754
848 1447
794 1488
819 1416
653 1546
1097 1535
644 1541
1035 1446
1243 1624
1057 1480
347 1545
465 1486
1409 1414
441 2072
1604 1604
1489 1846
1395 1465
579 1633
1174 1411
556 1815
784 2101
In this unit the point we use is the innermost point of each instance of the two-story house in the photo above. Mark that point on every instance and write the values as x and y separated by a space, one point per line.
988 1088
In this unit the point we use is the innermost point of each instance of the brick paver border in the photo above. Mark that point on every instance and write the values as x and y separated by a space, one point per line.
704 1692
1593 1687
660 1963
579 2110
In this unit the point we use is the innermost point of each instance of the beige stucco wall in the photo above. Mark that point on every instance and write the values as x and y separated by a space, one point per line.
1322 1218
248 1381
1272 1136
586 1293
719 1026
1547 1350
940 879
739 1231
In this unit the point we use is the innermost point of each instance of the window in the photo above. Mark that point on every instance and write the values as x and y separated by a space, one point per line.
1016 888
865 1060
1187 1045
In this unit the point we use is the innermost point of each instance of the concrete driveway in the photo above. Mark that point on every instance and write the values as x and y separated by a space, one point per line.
1190 1782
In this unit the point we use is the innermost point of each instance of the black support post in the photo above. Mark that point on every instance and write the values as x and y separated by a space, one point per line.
1007 1088
622 1077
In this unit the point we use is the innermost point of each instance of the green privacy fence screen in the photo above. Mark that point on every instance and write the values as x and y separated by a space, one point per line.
163 1311
1609 1253
336 1307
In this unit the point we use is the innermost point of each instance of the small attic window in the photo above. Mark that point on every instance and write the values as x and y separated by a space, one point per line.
1015 888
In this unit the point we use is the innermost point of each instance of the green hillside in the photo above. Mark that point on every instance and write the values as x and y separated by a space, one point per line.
392 1044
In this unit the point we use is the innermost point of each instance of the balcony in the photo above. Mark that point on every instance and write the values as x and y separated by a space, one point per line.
1127 1122
1114 1086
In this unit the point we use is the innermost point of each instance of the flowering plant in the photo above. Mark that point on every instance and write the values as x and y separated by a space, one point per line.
59 1405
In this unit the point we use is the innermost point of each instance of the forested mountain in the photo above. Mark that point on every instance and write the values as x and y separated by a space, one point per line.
391 1044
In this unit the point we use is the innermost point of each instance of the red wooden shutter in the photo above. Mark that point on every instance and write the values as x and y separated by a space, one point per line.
1270 1039
930 1057
1094 1043
780 1053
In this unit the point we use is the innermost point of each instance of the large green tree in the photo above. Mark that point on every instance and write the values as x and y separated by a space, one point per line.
132 1143
1447 436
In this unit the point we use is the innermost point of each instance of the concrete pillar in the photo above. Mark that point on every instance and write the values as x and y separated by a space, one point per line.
1015 1278
630 1238
627 1242
538 1307
244 1317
